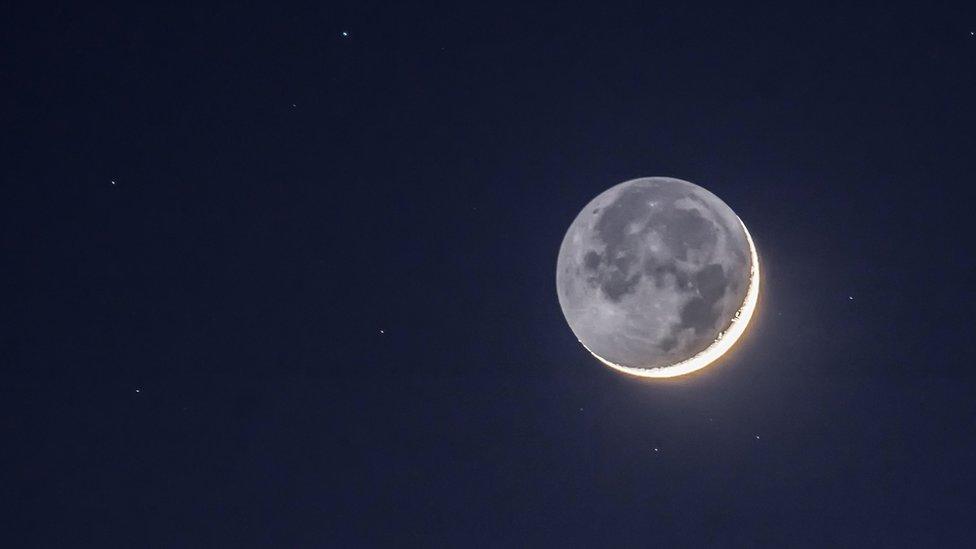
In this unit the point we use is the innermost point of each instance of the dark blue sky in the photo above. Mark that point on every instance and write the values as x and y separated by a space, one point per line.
192 355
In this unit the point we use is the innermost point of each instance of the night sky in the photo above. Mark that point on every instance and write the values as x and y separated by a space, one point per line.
285 276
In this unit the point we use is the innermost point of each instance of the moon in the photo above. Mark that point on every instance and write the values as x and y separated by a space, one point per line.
657 277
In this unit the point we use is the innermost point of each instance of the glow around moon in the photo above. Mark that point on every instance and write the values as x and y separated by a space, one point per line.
657 277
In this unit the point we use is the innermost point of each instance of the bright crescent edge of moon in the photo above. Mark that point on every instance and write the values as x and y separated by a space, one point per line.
721 345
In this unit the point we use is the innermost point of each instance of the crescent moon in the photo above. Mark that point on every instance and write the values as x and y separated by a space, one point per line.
722 343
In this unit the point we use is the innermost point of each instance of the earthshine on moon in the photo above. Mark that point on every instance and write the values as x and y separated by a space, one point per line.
657 277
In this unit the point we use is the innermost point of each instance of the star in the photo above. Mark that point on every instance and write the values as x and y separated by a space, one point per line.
344 34
382 332
757 437
851 298
655 449
138 390
113 182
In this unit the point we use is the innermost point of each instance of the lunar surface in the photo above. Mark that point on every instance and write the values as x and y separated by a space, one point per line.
657 277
